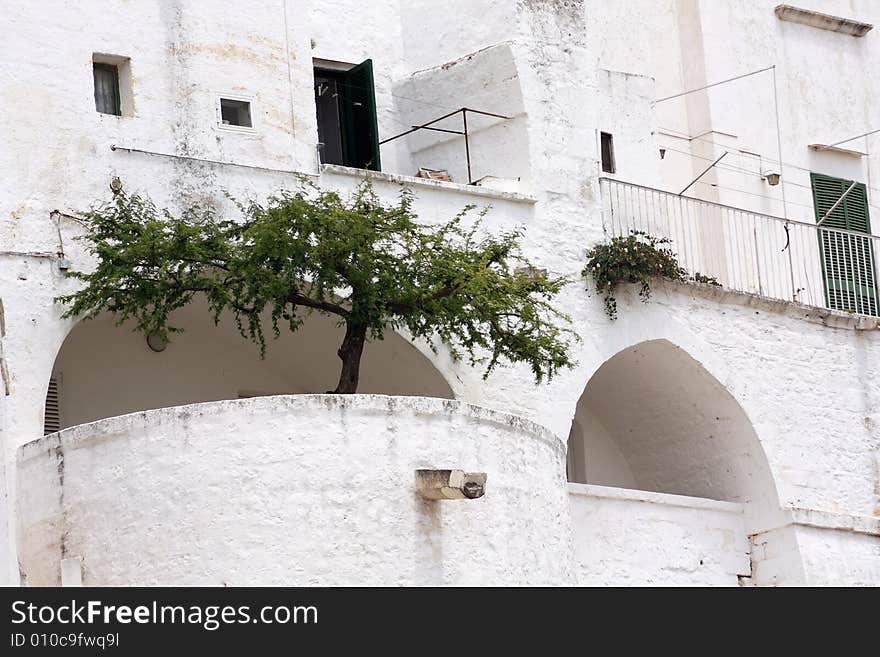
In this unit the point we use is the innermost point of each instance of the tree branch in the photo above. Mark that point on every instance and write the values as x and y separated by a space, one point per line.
298 299
443 292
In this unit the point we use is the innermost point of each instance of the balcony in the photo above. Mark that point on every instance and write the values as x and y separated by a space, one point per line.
748 252
293 490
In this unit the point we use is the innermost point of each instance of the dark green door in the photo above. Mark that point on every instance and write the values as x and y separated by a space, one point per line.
359 125
847 258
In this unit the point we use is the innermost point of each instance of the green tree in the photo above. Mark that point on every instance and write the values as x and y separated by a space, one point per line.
371 265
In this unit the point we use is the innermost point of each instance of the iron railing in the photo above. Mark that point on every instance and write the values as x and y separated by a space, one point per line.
463 132
751 252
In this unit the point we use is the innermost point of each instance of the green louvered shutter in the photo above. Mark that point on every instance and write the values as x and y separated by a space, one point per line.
847 259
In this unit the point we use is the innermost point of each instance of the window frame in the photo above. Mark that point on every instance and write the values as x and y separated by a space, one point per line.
124 90
612 164
355 145
220 97
114 69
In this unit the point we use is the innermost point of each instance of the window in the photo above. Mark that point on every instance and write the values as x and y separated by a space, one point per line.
236 113
52 413
607 152
848 265
345 103
107 100
112 81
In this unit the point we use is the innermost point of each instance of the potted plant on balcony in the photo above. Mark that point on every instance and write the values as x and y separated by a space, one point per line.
368 263
635 258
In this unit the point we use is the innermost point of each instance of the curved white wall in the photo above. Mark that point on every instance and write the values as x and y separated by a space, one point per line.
295 490
594 456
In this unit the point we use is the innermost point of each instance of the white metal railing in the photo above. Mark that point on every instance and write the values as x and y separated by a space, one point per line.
751 252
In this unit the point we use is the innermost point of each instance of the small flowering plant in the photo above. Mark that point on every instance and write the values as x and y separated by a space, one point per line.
636 258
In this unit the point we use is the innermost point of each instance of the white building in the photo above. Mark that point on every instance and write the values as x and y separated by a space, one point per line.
716 435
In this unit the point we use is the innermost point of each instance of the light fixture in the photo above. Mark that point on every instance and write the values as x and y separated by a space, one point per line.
662 153
157 342
772 177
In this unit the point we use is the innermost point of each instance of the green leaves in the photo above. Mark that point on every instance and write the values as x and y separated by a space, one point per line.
635 258
370 264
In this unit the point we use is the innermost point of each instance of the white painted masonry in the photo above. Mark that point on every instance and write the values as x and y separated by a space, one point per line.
626 537
318 488
769 408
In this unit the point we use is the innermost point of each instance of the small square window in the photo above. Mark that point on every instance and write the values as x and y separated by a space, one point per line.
607 152
106 78
235 113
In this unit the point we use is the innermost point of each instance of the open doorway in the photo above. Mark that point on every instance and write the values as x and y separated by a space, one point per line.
345 104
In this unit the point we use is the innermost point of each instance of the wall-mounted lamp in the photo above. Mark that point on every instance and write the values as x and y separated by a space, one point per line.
772 177
157 342
662 153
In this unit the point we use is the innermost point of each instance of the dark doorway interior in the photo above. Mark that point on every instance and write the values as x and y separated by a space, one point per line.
345 102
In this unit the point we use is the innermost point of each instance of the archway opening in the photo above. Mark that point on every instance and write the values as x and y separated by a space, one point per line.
653 421
103 370
652 418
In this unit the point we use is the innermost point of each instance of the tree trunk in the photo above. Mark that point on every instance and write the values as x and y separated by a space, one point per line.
350 353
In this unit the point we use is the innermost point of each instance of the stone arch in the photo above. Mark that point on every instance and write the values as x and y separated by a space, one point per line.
654 418
105 370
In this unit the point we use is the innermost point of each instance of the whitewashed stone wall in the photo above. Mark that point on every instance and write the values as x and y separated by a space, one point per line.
625 537
840 557
299 490
568 68
7 572
827 91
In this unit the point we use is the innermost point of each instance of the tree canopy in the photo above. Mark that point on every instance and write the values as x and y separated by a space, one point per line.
371 265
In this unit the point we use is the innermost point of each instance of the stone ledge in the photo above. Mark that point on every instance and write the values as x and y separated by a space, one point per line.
838 521
822 21
472 190
818 519
117 426
650 497
824 316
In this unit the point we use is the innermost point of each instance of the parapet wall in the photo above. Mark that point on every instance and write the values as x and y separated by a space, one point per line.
294 490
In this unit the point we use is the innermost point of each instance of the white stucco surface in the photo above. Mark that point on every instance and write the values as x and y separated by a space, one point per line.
624 537
297 490
6 551
674 426
803 385
826 540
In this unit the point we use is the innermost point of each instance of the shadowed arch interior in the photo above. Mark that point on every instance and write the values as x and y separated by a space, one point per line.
103 370
652 418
